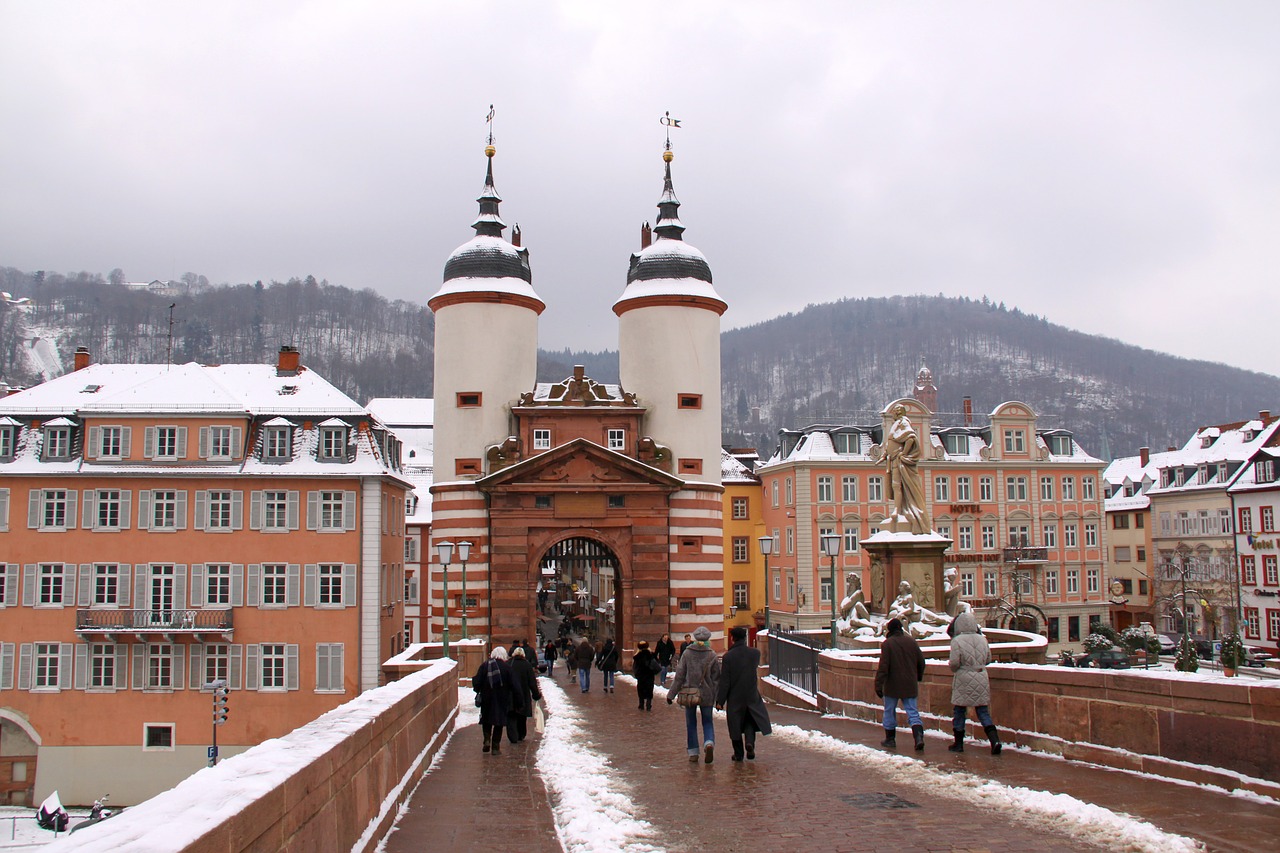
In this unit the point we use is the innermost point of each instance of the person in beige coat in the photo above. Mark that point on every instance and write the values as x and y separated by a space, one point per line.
970 655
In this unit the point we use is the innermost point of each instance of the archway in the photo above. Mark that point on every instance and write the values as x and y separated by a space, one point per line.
580 585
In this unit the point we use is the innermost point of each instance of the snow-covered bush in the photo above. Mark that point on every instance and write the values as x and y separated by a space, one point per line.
1097 643
1185 659
1233 651
1137 640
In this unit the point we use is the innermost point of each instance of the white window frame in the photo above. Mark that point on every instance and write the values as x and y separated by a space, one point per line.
57 443
1015 441
965 537
851 544
542 439
988 537
1068 488
1087 490
986 490
1046 488
1051 582
964 490
826 485
849 490
942 490
333 443
107 580
1091 535
617 439
875 489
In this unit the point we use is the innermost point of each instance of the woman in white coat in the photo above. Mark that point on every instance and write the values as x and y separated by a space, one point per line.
970 655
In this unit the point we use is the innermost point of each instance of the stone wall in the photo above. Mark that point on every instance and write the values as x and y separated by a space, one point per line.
1204 729
333 784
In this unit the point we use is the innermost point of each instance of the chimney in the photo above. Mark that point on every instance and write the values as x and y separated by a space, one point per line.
515 235
579 371
968 411
1172 448
82 358
1144 455
5 390
646 236
287 365
1264 415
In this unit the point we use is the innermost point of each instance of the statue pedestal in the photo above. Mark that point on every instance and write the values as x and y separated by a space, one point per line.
897 557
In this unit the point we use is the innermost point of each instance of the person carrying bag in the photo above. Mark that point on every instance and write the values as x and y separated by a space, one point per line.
695 684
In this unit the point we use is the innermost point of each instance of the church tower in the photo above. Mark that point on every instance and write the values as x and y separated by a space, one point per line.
925 391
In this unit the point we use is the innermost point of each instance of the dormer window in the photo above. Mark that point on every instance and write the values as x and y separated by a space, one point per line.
1264 470
1060 445
1179 477
1202 475
845 442
7 434
277 443
956 444
57 442
333 443
1015 441
1206 441
165 442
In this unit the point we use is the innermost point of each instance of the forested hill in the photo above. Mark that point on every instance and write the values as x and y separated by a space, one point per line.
831 363
844 361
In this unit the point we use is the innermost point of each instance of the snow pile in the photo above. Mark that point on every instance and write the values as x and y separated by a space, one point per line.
1040 810
593 808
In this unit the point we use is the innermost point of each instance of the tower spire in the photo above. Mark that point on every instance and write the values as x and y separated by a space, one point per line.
668 224
489 223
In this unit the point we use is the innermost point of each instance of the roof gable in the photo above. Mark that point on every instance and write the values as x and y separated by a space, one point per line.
577 463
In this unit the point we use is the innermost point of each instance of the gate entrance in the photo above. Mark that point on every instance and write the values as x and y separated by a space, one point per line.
578 582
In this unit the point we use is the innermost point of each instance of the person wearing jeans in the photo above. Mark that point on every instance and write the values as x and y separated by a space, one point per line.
583 657
898 677
699 667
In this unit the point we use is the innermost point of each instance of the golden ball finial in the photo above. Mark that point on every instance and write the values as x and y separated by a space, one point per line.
668 156
489 151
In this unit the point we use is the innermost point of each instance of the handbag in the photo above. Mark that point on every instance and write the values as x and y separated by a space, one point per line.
539 720
689 697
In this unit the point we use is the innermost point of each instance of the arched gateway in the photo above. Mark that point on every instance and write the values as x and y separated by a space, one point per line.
580 579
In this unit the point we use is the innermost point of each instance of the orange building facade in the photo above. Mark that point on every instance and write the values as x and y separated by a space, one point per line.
163 527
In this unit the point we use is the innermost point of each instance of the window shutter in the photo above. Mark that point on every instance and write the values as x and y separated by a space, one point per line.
291 666
139 666
251 671
178 660
182 442
236 654
196 681
126 500
122 666
6 666
86 586
10 585
292 510
180 511
123 588
255 510
349 510
202 501
322 666
236 442
144 509
35 508
68 585
66 665
82 666
413 590
253 593
313 511
197 584
237 585
72 497
291 585
149 442
4 509
141 595
88 510
95 441
179 587
126 433
349 585
24 666
311 585
336 666
204 443
29 585
237 510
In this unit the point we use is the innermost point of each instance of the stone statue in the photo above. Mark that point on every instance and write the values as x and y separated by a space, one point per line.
902 455
853 608
951 593
913 617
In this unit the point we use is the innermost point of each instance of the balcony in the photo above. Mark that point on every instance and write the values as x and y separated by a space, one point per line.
1024 556
168 623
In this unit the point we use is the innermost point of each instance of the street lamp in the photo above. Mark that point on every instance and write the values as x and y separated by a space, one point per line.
830 543
1018 546
445 550
464 551
766 548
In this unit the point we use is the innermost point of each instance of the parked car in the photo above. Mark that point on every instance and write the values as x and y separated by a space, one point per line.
1105 659
1168 645
1256 657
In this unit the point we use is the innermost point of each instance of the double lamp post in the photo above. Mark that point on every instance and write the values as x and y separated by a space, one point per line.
445 551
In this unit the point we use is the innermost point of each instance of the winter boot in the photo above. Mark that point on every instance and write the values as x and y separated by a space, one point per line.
738 751
485 748
648 704
917 734
641 708
994 737
497 743
958 746
890 738
751 750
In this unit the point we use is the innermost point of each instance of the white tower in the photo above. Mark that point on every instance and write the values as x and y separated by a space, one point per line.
669 343
486 345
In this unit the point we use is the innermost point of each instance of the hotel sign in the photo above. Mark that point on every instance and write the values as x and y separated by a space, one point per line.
971 509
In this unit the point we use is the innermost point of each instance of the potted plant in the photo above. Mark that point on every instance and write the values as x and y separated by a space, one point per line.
1232 654
1185 658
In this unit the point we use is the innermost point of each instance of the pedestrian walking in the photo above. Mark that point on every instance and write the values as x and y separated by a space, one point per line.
970 655
524 692
583 656
739 695
898 680
607 661
699 669
530 654
551 653
644 666
665 651
688 641
492 683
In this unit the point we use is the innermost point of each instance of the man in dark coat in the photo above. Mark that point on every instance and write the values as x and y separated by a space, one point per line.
583 657
524 692
898 680
665 650
492 683
739 695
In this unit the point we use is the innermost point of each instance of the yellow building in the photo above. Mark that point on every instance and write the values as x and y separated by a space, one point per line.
743 525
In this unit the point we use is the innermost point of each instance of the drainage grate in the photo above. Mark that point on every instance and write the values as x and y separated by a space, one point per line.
878 801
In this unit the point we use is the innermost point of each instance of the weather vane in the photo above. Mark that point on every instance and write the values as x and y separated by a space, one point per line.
668 122
488 119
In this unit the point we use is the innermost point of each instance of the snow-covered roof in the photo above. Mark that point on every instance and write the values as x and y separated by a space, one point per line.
404 411
1230 443
733 471
668 287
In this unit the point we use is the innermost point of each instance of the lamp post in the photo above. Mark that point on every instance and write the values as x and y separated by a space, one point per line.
1017 547
830 543
445 550
766 548
464 551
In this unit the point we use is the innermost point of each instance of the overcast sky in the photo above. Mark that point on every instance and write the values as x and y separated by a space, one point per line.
1112 166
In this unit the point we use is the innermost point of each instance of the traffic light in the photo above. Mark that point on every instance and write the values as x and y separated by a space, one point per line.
220 691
